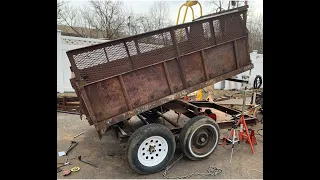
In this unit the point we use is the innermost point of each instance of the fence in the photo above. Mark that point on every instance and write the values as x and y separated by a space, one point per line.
64 44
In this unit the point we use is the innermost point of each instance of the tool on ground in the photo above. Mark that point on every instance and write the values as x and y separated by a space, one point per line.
77 135
75 169
61 153
65 164
79 158
243 126
72 145
66 173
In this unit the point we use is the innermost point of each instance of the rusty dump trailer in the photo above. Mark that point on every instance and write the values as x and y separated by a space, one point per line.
147 74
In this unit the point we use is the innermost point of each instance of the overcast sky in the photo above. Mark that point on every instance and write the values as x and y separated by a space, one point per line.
142 6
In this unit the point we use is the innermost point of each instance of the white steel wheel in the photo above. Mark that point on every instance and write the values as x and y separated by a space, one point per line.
152 151
199 137
150 148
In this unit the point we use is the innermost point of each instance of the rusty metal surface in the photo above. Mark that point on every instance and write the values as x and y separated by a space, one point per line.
106 98
90 63
124 77
221 56
193 69
216 106
83 108
102 126
146 85
176 81
222 124
242 55
168 120
181 106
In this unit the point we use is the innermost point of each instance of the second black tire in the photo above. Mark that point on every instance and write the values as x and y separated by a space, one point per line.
199 137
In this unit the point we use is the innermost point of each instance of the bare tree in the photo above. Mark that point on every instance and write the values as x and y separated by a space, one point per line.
60 9
70 17
159 14
156 18
108 18
255 27
101 19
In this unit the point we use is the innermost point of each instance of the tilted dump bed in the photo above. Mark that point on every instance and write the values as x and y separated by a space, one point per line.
119 79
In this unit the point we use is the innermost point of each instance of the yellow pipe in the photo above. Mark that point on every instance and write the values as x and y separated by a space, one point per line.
184 18
179 14
192 12
185 14
200 9
188 4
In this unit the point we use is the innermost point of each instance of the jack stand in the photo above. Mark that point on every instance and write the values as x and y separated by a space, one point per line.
244 132
243 122
253 138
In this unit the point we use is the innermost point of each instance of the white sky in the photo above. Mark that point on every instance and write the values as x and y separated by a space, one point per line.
142 6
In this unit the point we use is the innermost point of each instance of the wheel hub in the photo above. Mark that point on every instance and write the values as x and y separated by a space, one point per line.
152 148
202 138
152 151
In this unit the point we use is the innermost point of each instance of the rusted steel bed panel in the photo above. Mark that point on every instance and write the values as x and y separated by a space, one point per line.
173 70
145 85
102 126
106 98
121 78
158 45
193 69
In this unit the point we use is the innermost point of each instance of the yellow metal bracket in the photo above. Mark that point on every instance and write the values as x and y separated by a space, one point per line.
188 4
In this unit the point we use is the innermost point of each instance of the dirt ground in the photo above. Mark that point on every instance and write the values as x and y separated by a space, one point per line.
111 162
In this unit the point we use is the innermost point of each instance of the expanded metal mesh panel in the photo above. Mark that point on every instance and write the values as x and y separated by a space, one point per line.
105 70
228 28
154 49
94 63
116 52
101 63
194 37
91 58
206 30
132 48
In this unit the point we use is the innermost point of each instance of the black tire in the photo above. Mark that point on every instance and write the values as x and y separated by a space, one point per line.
141 135
259 99
257 82
198 126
